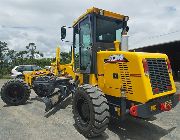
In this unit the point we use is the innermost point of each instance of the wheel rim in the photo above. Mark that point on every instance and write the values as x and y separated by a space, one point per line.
15 93
83 110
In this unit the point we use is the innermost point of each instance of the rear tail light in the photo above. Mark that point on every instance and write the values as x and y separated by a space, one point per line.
37 73
165 107
169 65
133 110
146 68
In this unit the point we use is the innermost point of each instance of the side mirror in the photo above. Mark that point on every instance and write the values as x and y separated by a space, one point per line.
63 32
127 28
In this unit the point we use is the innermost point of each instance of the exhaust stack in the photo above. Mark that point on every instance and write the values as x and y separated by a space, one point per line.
124 43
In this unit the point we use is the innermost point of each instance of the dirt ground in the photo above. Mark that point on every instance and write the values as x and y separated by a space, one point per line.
29 122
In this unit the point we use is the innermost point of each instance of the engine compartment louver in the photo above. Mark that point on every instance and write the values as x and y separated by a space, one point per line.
125 77
158 74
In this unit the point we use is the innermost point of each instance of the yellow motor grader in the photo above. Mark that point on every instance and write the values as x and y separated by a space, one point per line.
105 80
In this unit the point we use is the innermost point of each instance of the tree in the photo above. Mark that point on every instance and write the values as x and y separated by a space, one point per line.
10 58
40 54
65 57
11 54
3 51
21 54
31 48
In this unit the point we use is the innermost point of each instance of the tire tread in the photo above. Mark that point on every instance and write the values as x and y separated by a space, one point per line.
101 110
15 81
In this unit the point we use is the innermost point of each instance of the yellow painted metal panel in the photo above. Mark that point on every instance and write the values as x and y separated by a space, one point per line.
139 88
97 11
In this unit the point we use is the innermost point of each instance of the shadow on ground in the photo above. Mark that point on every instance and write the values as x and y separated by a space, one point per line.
28 102
130 128
136 129
62 105
36 98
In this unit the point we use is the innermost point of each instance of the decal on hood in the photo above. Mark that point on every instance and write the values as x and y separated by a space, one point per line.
116 58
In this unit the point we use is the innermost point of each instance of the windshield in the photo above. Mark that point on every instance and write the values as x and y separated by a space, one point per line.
108 30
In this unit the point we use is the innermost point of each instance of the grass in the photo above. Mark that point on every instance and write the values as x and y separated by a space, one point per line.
5 77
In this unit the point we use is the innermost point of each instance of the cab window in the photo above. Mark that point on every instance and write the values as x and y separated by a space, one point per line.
108 30
76 48
85 44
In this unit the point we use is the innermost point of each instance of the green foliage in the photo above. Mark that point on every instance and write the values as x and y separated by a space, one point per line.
31 49
3 51
21 54
65 57
10 58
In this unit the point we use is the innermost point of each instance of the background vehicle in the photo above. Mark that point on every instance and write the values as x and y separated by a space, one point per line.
18 71
47 67
104 78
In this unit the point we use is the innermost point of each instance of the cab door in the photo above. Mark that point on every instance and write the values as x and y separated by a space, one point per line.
85 45
82 48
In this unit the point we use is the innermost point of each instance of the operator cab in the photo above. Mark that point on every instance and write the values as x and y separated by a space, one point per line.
96 30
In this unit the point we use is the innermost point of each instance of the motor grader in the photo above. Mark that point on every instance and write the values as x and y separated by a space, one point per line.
104 78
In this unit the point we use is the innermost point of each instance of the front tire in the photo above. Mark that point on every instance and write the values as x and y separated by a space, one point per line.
91 111
15 92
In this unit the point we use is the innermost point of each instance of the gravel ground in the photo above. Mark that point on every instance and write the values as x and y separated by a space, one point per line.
29 122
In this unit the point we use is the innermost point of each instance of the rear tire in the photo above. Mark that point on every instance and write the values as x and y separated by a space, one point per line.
91 111
15 92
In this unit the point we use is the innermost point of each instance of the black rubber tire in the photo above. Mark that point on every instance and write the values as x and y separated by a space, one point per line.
98 110
15 92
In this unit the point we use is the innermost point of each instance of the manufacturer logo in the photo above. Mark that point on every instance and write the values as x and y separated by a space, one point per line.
153 107
116 58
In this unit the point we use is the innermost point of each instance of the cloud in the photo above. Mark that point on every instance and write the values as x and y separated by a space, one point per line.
39 21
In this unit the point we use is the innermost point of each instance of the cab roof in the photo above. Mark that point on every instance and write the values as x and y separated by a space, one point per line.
100 12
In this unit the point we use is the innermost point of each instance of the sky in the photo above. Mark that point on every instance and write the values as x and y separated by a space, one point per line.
39 21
